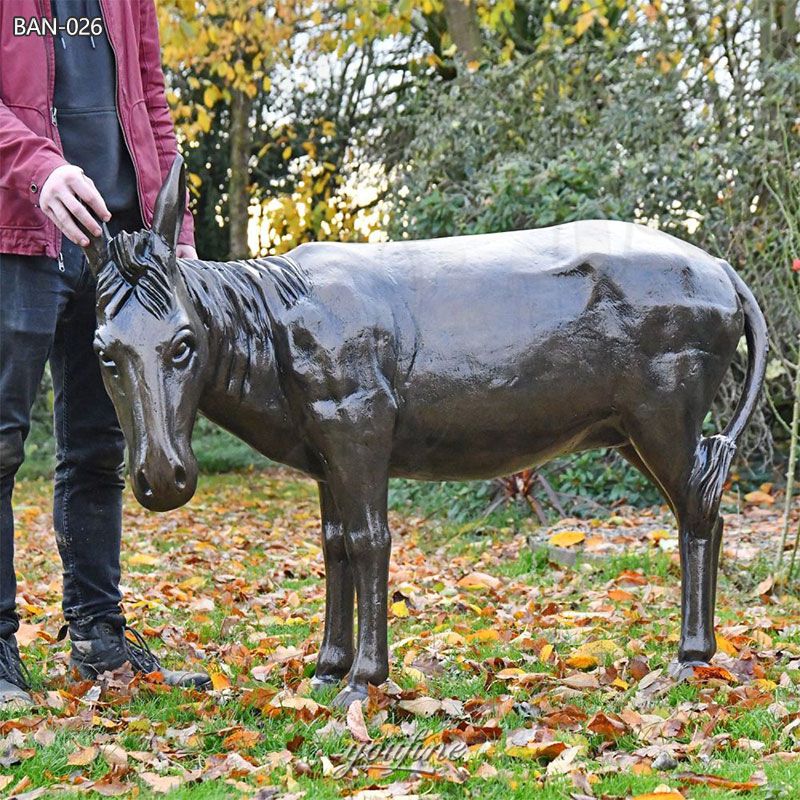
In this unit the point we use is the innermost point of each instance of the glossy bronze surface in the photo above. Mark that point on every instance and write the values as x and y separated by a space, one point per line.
459 358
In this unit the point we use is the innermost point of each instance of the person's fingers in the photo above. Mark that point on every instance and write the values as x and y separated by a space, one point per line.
81 213
84 187
63 219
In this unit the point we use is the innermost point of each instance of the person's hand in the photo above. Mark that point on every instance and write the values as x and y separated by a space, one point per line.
62 199
185 251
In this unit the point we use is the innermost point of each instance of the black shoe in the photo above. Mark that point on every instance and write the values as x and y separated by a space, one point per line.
101 645
13 675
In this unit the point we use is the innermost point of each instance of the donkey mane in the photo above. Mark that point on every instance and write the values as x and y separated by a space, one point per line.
231 296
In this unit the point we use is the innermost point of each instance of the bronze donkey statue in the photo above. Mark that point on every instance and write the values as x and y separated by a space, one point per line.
457 358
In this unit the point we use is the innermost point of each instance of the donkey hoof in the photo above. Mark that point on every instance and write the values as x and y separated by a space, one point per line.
349 695
324 681
683 670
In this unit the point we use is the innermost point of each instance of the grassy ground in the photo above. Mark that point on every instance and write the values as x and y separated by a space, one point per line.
552 677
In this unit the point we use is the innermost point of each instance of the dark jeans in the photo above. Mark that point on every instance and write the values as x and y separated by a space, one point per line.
49 314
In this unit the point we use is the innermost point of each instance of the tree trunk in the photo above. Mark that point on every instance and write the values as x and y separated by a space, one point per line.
462 23
238 186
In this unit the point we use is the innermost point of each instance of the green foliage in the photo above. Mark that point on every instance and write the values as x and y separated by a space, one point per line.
219 451
587 483
458 501
601 477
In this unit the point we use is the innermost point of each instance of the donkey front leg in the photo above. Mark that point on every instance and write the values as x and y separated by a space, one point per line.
336 654
368 544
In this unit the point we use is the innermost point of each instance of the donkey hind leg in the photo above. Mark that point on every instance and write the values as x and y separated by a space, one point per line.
669 456
628 452
336 653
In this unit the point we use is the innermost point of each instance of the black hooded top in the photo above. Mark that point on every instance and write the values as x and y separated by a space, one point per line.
85 102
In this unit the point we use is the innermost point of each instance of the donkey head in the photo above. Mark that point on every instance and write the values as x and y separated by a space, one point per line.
152 347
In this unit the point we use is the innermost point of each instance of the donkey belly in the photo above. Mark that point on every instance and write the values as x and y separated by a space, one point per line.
472 420
460 454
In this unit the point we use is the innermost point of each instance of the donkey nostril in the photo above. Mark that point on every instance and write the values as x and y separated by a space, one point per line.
180 478
144 484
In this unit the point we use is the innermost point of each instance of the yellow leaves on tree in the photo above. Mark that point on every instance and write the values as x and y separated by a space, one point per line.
318 206
221 57
223 47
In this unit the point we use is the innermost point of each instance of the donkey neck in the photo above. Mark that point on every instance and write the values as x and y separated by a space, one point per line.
243 395
242 388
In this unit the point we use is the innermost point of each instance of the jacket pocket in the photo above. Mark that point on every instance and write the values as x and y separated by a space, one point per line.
32 117
18 212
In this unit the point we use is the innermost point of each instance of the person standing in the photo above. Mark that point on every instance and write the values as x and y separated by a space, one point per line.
85 135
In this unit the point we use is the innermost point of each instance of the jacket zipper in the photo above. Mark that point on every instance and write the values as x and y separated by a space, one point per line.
54 118
44 9
104 14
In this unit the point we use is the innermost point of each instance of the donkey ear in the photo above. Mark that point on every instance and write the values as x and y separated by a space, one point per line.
97 253
171 204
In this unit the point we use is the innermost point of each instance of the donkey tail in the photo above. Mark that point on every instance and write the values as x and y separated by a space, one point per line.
714 454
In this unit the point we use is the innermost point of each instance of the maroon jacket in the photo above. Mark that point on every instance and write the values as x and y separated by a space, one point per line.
30 148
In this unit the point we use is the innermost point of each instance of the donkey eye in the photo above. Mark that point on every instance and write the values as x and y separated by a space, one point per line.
182 353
